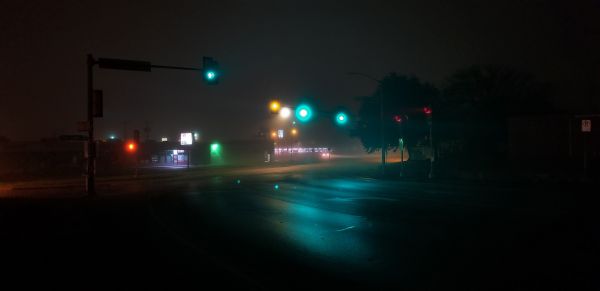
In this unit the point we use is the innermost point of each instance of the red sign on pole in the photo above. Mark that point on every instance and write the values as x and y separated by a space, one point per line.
586 125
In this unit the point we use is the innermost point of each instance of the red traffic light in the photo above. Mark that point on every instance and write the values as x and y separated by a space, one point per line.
131 147
427 110
398 118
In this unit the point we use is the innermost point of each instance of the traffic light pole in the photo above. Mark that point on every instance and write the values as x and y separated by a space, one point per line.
90 185
382 129
401 156
175 68
117 64
137 164
432 157
401 146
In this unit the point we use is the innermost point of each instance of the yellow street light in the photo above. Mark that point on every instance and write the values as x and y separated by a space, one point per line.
274 106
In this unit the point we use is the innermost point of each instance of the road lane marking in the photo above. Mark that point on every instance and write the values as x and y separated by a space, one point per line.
346 228
339 199
375 198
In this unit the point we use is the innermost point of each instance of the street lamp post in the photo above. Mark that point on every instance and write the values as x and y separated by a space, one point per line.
90 174
381 119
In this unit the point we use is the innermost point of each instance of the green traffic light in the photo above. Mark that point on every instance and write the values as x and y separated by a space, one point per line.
341 118
210 70
210 75
216 154
303 113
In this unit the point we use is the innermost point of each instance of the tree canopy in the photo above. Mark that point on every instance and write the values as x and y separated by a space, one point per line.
493 92
472 107
404 97
476 102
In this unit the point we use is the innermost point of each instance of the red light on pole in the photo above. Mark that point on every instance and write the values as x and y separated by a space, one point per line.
131 147
398 118
427 110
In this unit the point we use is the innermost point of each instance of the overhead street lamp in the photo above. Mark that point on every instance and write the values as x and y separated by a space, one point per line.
381 119
285 112
274 106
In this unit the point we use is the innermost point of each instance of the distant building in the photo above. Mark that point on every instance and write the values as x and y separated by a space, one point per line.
66 156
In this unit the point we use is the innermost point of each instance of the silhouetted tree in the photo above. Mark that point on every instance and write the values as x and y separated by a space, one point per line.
403 96
476 102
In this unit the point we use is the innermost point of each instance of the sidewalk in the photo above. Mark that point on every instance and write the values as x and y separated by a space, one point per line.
418 171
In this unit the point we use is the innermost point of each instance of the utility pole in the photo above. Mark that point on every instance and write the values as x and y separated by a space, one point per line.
147 130
189 157
137 163
91 152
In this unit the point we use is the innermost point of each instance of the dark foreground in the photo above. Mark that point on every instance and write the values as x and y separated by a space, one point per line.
301 228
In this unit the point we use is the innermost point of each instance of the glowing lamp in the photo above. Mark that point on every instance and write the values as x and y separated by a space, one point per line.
274 106
341 118
303 113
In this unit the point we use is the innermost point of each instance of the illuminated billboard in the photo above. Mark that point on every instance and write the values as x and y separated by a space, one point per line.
186 138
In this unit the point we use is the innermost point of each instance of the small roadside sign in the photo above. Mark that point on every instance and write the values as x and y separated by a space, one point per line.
586 125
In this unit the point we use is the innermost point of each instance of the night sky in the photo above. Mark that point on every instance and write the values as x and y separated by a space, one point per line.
267 49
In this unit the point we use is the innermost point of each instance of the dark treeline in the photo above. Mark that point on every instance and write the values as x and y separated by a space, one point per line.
469 112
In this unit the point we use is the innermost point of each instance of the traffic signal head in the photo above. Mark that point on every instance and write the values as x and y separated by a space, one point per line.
215 151
215 147
398 118
341 118
303 113
210 70
210 75
131 147
427 110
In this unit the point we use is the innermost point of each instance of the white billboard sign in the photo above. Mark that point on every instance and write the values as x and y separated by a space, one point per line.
186 138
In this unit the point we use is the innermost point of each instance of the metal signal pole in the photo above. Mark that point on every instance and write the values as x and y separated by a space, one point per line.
90 185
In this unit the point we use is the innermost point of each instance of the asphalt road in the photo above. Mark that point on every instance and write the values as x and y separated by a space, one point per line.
299 227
